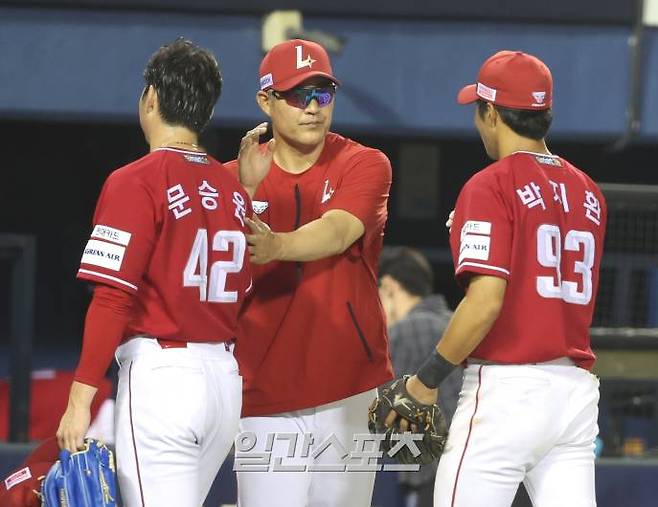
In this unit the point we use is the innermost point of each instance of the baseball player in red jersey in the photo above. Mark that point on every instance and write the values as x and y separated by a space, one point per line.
168 256
313 343
527 240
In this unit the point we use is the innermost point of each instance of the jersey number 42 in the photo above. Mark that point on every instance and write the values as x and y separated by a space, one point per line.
212 286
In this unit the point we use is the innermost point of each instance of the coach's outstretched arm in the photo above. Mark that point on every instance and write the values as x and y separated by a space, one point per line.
472 320
329 235
354 211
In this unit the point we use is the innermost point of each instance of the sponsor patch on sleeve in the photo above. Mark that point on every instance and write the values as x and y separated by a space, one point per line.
17 477
475 240
474 246
476 227
111 234
103 254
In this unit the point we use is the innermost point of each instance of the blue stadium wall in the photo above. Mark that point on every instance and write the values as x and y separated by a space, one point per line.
400 76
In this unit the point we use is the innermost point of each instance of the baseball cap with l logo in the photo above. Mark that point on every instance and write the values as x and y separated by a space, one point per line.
289 63
512 79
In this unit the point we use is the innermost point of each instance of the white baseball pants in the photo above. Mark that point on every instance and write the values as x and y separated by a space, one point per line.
177 415
344 419
514 423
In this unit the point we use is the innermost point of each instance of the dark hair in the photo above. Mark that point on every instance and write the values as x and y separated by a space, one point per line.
409 268
531 124
188 83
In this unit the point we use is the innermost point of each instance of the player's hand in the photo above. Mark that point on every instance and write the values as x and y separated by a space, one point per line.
451 218
254 162
419 392
72 428
264 245
75 422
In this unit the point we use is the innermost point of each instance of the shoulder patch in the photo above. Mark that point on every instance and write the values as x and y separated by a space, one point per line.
475 240
103 254
111 234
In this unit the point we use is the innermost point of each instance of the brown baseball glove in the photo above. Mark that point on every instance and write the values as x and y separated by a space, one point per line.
427 419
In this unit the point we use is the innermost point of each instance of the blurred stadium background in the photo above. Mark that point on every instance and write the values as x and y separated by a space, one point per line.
70 77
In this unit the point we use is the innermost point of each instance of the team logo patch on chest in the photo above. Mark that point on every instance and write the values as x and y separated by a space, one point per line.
327 192
259 206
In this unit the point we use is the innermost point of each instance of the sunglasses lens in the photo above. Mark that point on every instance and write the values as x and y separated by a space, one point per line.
324 96
302 97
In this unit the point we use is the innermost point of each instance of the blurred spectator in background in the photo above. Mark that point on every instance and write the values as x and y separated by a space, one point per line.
416 318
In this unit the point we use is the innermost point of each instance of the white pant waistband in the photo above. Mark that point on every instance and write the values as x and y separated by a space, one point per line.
560 361
147 344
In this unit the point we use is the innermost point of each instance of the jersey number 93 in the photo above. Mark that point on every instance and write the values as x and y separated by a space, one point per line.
549 253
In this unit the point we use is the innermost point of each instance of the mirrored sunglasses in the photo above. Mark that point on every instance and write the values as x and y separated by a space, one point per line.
301 97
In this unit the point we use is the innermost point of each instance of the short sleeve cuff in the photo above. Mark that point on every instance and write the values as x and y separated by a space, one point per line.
481 269
112 281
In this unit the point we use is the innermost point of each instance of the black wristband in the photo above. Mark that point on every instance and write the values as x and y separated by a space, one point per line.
434 370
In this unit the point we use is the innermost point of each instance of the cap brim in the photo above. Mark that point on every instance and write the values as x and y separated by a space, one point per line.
467 95
294 81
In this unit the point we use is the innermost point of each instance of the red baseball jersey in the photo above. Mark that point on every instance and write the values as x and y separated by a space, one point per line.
314 332
170 228
538 222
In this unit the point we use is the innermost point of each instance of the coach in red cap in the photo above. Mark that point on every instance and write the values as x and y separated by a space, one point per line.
293 62
312 344
527 241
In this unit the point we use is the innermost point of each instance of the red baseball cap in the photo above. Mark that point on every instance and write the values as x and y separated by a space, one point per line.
512 79
289 63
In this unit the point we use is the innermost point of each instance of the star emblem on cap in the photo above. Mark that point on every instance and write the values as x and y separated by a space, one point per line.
306 62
